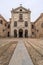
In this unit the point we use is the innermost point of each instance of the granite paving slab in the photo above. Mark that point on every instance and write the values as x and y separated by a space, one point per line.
21 56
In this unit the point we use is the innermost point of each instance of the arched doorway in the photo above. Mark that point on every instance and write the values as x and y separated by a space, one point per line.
26 33
15 33
20 33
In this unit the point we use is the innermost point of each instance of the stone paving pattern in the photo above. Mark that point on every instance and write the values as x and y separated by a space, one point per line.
20 56
6 52
34 48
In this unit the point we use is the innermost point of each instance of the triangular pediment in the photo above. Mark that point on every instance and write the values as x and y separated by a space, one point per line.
20 8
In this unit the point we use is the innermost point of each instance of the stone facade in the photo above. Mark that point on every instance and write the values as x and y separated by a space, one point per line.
20 24
3 27
38 27
21 17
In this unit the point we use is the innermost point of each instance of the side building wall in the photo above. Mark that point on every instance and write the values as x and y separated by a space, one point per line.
37 27
3 27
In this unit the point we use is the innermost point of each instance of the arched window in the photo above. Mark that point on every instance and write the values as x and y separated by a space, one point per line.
26 33
15 23
15 33
26 23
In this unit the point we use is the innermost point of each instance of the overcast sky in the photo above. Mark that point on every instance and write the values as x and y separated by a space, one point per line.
36 7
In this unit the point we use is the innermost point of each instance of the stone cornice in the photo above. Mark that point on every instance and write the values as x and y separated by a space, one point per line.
20 12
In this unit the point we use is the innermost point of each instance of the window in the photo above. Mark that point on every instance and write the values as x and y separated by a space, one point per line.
37 30
32 26
20 9
3 30
1 21
20 16
15 23
8 25
33 33
42 25
5 24
26 23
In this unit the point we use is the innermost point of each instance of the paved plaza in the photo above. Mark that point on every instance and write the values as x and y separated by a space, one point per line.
21 56
15 51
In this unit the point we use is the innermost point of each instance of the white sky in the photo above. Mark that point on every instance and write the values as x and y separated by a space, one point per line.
36 7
